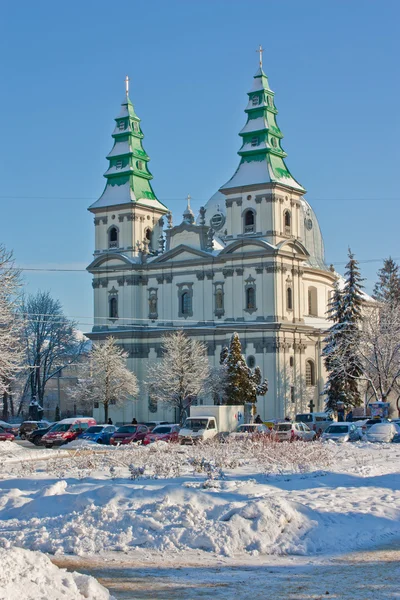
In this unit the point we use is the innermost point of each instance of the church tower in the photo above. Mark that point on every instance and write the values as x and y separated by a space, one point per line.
128 215
262 197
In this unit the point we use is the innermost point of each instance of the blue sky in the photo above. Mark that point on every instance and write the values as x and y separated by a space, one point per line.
333 66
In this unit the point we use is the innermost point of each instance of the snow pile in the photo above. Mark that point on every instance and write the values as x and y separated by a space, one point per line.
83 520
26 575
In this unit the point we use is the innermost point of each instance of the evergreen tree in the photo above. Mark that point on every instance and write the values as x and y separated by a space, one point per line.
334 384
352 305
387 288
340 343
243 385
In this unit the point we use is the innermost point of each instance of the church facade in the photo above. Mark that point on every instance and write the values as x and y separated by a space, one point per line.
252 262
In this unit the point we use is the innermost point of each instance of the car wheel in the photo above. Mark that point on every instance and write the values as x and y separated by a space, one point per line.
22 436
99 441
37 441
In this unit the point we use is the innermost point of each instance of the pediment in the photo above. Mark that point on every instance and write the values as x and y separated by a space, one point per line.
181 252
115 260
295 247
243 246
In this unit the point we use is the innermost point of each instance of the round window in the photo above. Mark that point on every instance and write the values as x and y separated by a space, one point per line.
217 221
309 224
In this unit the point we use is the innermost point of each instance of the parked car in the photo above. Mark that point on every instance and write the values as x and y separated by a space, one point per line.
382 432
127 434
290 432
369 422
100 434
28 426
342 432
165 433
9 428
35 436
318 421
152 424
6 436
250 431
66 430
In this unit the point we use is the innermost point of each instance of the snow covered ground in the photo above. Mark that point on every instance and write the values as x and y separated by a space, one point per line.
229 502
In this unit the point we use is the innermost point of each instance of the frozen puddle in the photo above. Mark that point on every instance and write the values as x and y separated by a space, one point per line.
372 575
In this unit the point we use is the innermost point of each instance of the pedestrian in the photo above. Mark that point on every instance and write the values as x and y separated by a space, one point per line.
109 422
134 422
349 416
287 419
258 419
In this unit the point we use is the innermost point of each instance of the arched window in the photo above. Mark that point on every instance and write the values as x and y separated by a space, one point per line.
289 299
312 301
113 237
250 298
249 221
113 306
310 373
288 222
186 303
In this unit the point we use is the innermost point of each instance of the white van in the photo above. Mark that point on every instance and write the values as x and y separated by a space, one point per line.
316 420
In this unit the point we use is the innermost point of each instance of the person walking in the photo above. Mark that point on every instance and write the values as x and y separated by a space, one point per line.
109 422
134 422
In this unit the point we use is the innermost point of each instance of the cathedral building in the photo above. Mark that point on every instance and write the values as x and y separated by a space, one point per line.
252 262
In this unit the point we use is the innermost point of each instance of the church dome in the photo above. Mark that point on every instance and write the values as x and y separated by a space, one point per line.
311 236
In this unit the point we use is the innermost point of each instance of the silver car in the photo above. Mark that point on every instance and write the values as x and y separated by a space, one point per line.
290 432
383 432
342 432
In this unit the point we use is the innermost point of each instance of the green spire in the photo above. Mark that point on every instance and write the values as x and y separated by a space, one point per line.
128 176
262 157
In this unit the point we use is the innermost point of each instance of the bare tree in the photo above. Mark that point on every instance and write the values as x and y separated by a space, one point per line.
376 348
11 348
105 377
51 341
181 374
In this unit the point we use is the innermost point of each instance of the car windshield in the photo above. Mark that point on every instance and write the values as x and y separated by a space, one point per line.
284 427
307 418
338 429
95 429
195 423
61 427
127 429
162 429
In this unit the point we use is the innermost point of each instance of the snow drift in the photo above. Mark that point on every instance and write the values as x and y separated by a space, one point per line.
26 575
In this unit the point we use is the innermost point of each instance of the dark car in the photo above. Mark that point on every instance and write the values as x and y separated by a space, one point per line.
27 426
36 435
127 434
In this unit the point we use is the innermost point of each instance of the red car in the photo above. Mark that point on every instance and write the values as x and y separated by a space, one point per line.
166 433
128 434
5 436
66 431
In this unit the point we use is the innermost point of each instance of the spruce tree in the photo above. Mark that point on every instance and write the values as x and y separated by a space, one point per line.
351 306
387 288
243 385
339 350
334 389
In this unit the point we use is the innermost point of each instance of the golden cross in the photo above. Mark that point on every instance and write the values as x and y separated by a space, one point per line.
260 50
127 86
